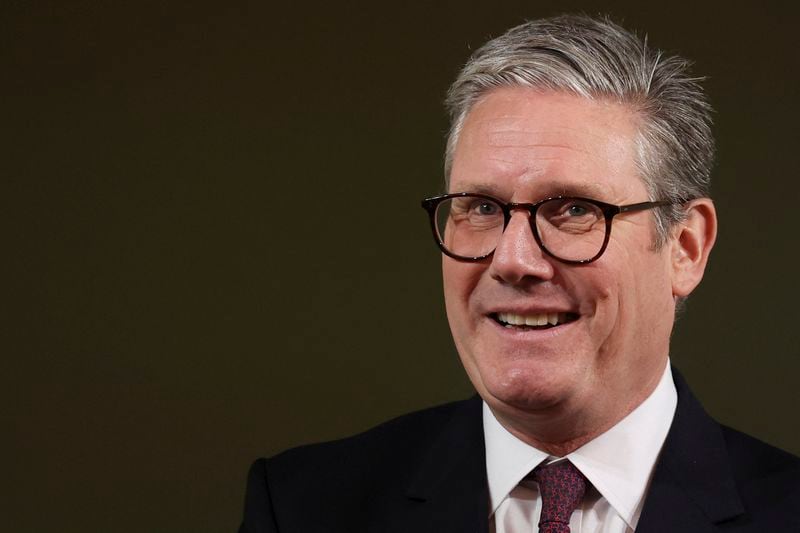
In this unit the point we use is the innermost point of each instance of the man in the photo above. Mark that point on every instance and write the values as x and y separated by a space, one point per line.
577 221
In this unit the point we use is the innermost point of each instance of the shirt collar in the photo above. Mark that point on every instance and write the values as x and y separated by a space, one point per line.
618 463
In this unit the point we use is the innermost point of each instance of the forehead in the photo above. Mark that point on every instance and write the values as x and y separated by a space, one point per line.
519 142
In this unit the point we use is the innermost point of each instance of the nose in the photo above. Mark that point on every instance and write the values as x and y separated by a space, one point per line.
518 257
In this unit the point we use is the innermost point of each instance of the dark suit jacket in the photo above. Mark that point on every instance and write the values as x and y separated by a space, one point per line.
425 472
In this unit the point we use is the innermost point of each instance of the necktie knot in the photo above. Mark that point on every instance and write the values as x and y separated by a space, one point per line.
561 486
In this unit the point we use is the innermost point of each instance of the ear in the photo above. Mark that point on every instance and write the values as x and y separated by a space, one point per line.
691 243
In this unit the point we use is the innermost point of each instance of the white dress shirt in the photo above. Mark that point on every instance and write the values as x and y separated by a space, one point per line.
619 464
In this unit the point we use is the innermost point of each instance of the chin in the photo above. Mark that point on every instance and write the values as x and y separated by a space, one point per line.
525 391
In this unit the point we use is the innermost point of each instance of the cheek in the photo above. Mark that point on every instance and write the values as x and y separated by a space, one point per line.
459 280
603 301
631 298
593 288
460 283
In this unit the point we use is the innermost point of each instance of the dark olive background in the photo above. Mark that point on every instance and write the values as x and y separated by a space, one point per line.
215 248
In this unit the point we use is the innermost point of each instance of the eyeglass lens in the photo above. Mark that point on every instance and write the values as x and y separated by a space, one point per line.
568 228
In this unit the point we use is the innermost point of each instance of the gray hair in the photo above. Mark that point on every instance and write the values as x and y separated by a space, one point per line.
598 59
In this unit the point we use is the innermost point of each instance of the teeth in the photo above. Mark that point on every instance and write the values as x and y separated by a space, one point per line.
539 319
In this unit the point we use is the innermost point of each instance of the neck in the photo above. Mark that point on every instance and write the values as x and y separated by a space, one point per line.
554 437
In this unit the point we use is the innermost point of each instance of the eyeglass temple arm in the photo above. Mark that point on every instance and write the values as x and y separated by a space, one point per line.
644 205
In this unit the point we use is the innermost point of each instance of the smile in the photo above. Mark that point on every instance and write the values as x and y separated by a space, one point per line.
533 321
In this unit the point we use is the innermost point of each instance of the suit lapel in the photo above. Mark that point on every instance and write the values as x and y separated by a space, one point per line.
448 492
693 486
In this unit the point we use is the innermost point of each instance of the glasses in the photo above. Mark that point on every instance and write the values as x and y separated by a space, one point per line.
468 226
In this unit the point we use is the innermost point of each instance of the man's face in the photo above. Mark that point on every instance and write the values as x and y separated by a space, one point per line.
523 145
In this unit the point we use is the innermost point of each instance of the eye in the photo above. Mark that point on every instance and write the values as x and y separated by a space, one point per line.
569 213
485 208
577 210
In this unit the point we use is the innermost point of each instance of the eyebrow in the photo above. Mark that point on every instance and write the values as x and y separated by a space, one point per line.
548 189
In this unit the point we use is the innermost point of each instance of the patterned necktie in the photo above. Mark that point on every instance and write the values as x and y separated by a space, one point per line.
561 486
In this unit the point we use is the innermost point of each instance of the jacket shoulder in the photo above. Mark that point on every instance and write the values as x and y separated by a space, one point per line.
394 439
367 477
767 478
755 461
364 462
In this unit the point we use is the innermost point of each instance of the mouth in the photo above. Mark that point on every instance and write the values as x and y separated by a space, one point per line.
533 321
